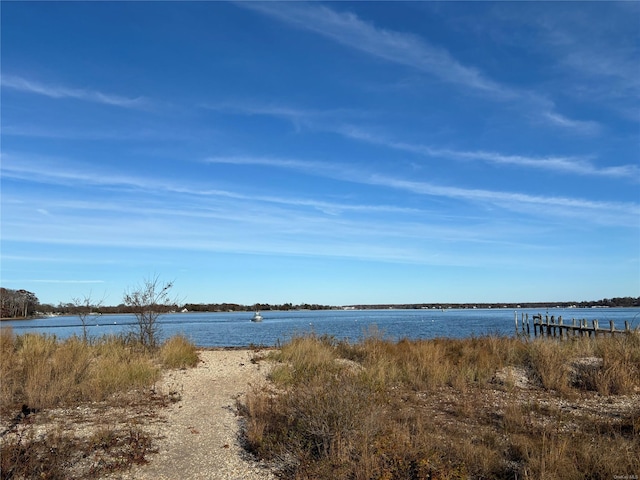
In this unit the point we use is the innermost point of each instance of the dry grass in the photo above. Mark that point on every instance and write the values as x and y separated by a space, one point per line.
435 409
178 352
41 374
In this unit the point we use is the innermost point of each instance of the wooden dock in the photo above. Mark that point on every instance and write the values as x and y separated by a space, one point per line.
549 326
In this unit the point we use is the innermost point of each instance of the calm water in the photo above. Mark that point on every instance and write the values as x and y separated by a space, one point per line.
236 330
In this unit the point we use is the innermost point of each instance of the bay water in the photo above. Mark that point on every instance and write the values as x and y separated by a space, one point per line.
235 329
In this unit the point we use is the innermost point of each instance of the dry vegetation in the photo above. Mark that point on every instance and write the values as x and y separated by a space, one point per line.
488 407
484 407
75 408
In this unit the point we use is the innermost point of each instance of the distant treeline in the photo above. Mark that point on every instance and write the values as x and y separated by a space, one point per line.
234 307
21 303
605 302
72 309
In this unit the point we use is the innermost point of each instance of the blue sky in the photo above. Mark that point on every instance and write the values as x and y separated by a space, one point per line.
333 153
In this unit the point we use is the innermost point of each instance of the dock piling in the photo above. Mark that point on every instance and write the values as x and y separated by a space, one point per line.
550 327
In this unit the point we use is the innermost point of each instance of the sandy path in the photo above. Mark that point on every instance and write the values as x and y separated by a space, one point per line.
199 434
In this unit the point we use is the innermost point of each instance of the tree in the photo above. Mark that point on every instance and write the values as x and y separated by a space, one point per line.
85 309
17 303
147 302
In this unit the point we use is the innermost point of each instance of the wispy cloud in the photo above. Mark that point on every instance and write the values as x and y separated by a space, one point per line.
299 117
339 121
415 52
594 48
506 199
499 198
62 259
282 231
53 172
195 216
565 206
582 126
300 165
396 47
55 91
46 170
272 110
44 280
560 164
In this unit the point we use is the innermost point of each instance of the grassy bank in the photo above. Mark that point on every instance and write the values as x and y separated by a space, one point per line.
450 409
105 385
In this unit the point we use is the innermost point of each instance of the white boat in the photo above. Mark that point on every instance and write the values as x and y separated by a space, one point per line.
256 317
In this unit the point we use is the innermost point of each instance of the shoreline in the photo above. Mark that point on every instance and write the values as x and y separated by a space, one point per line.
358 307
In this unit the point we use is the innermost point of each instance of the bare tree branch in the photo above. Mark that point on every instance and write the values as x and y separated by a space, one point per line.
148 301
85 310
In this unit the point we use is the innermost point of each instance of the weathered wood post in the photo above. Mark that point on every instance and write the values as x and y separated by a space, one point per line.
586 326
612 327
573 327
595 328
548 328
561 327
515 315
539 322
627 326
528 331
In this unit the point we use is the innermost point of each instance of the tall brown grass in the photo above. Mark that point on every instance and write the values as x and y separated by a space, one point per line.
433 409
44 372
178 352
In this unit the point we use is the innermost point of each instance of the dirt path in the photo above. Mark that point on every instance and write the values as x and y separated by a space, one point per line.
199 434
